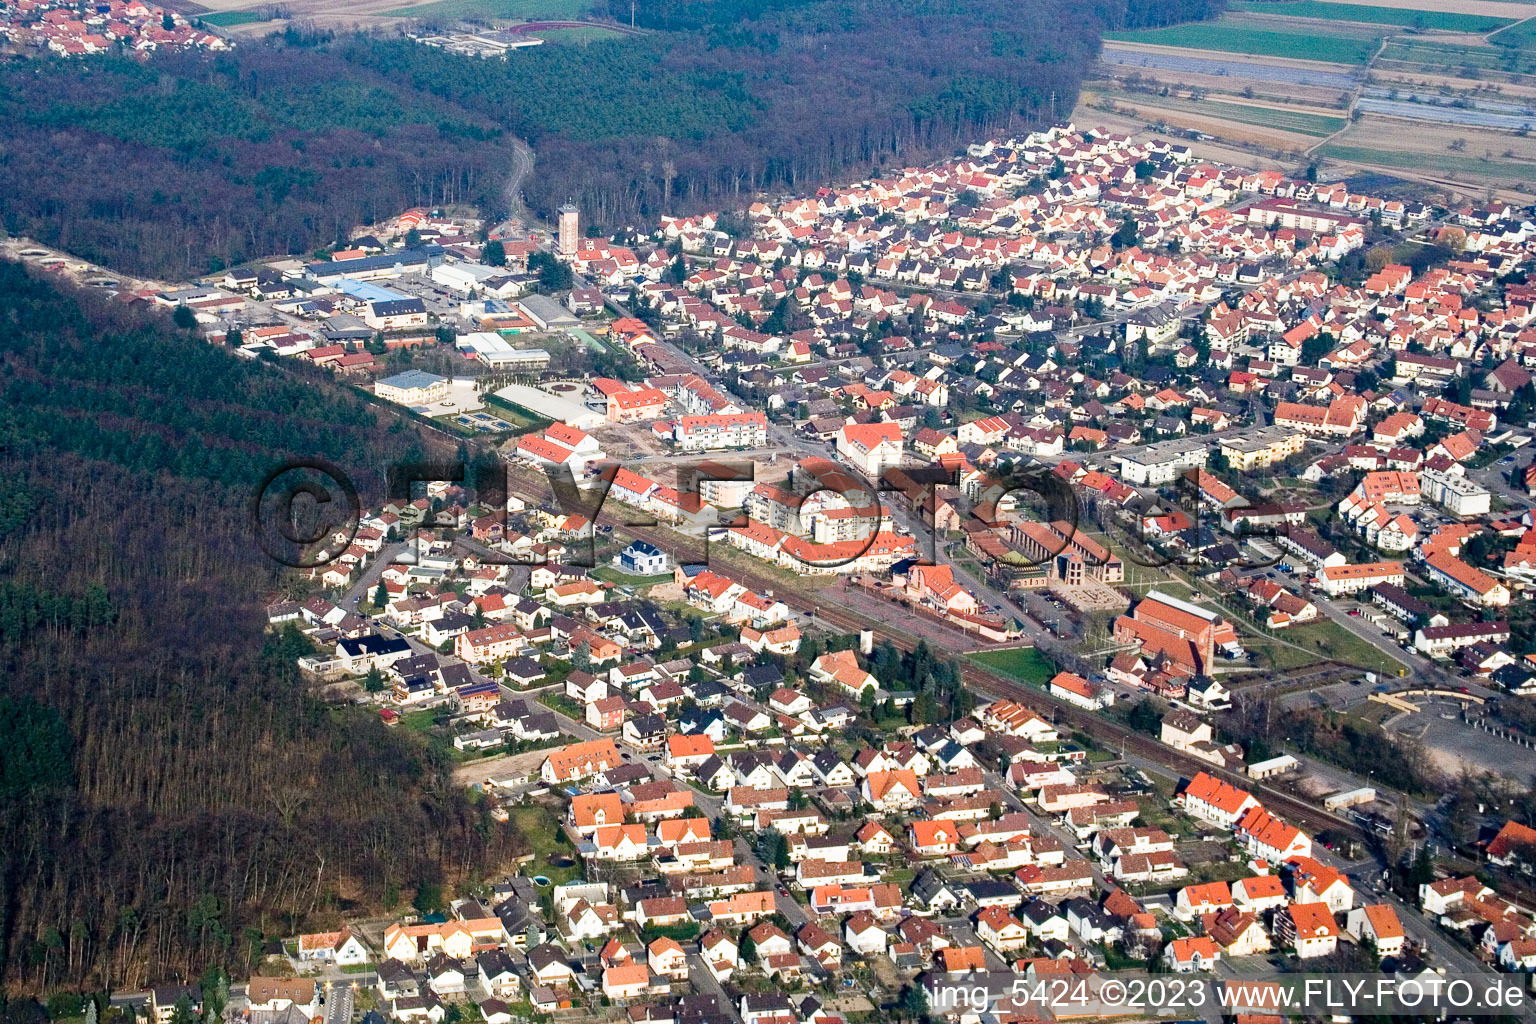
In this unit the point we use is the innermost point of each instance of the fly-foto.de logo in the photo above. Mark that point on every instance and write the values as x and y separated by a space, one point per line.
307 512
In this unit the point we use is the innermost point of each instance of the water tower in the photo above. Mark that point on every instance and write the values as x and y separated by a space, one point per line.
570 220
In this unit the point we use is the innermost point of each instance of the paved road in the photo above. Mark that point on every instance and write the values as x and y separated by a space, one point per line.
522 166
368 582
1447 952
338 1002
705 984
1367 631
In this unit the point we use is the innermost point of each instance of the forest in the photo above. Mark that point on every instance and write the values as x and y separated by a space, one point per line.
189 163
728 99
170 795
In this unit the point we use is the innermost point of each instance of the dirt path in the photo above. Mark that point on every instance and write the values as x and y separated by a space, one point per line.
1354 97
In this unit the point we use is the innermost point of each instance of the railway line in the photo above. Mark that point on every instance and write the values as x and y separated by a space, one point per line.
977 678
983 681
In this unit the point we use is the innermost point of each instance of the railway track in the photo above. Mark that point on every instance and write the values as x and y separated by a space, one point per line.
985 682
977 678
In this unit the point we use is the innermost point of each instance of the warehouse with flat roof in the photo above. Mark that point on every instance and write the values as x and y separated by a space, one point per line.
547 313
552 407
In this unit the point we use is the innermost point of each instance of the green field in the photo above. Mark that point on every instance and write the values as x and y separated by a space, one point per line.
1402 16
1448 58
1286 120
1227 38
1297 121
1329 640
1521 35
579 36
225 19
524 10
1023 663
1447 162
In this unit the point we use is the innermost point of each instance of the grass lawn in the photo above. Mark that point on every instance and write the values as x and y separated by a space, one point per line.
541 827
1278 655
1332 640
225 19
526 10
609 574
557 701
1025 664
420 721
1228 38
1445 20
1221 871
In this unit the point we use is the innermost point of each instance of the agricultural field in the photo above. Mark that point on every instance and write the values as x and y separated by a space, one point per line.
1283 119
579 35
250 15
1449 163
1224 36
1439 93
1521 35
495 10
229 19
1490 8
1465 60
1447 21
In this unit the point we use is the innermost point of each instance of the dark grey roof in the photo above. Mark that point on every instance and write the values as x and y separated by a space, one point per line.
990 888
398 307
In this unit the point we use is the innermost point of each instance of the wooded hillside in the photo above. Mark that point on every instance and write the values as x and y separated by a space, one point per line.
188 163
168 793
727 99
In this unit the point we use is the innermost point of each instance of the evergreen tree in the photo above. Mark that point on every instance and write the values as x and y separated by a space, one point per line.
913 1003
1423 870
